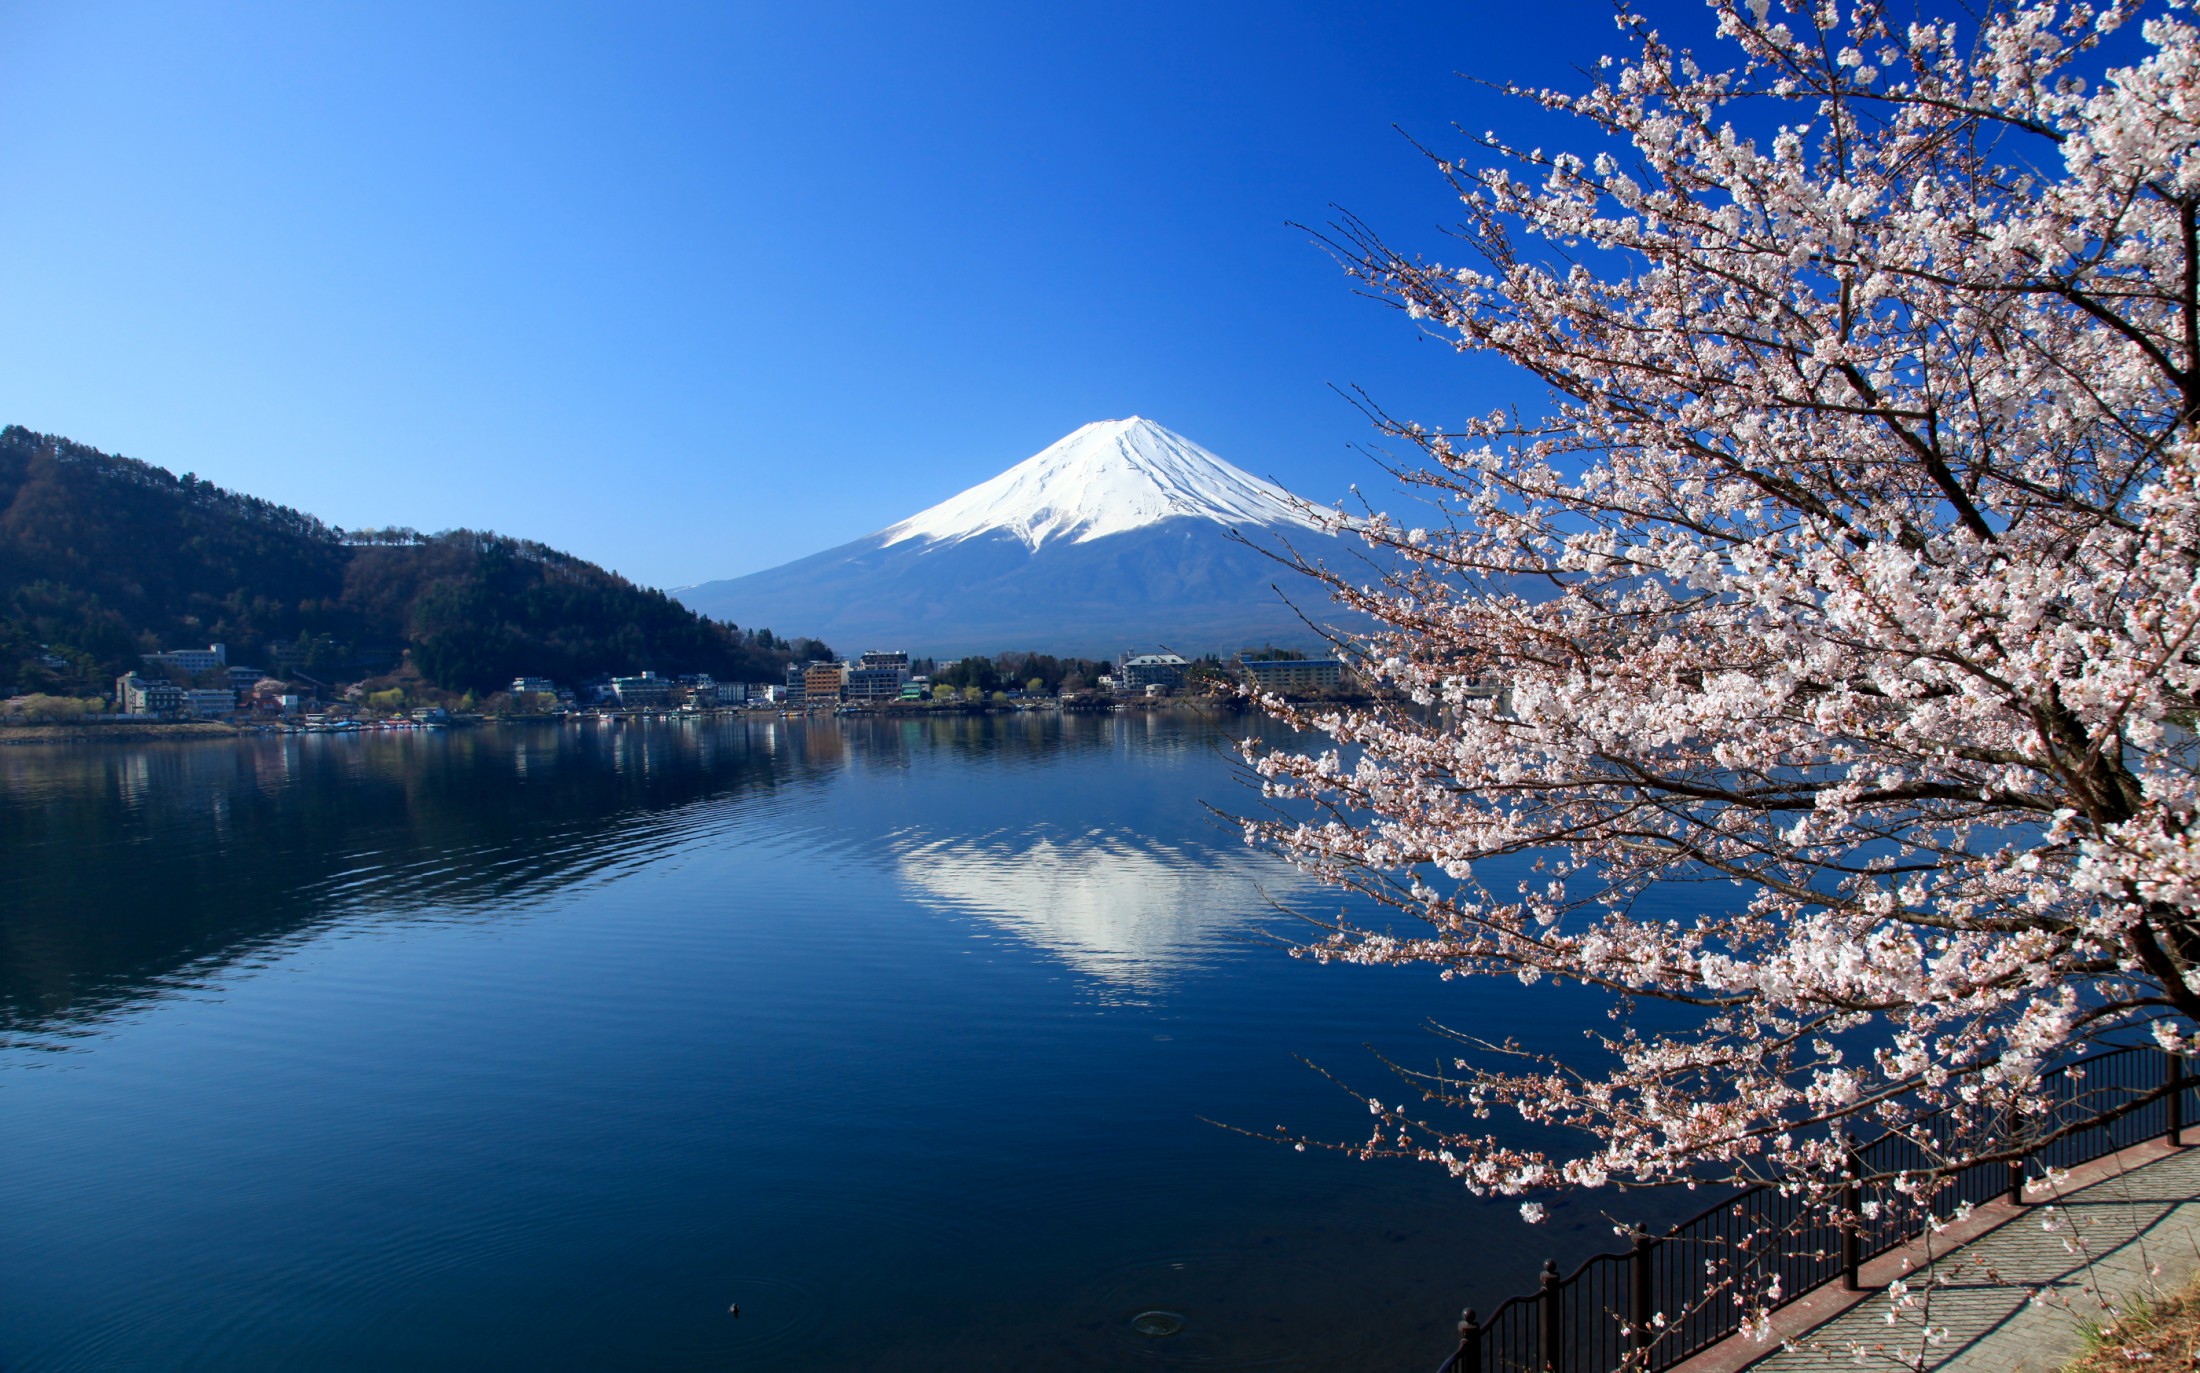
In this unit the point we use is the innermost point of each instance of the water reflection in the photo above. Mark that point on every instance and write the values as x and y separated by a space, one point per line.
1125 908
537 1047
130 872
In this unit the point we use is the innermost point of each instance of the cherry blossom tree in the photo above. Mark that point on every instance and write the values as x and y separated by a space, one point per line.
1843 600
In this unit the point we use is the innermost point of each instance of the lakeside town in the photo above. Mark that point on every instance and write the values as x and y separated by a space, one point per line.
181 686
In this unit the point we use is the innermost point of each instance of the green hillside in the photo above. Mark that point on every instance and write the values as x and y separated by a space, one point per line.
103 558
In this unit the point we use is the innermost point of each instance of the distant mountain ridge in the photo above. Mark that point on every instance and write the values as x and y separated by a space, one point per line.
103 558
1117 535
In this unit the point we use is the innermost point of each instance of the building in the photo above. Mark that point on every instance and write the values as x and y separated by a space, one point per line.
135 695
534 686
1165 670
1294 676
191 660
208 703
795 692
244 678
823 681
873 684
646 692
876 677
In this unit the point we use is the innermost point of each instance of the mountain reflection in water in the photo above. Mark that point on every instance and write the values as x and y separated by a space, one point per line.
1116 906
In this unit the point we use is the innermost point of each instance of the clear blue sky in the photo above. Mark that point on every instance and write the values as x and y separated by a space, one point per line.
692 290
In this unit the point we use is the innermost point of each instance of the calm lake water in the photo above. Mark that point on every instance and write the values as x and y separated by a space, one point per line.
540 1047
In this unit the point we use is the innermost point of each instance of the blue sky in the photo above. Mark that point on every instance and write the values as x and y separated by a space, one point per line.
692 290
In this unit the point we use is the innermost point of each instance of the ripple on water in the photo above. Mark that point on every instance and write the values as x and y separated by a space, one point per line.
1207 1308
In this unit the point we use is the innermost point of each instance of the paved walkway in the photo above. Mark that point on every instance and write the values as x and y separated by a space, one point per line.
2135 1231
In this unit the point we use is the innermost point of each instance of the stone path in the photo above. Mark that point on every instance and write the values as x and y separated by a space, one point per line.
2136 1231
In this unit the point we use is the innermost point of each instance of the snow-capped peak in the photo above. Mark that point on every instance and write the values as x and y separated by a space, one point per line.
1106 478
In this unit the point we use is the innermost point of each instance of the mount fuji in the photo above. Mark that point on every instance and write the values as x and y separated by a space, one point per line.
1116 536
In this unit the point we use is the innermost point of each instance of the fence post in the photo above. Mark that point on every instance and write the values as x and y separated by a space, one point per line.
1554 1330
1639 1297
2175 1071
1469 1357
1852 1234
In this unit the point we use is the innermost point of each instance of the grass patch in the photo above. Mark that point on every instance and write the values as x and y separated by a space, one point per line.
2162 1333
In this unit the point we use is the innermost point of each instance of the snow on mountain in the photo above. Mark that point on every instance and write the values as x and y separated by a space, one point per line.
1120 535
1109 477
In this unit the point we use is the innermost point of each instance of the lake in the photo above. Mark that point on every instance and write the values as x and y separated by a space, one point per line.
542 1047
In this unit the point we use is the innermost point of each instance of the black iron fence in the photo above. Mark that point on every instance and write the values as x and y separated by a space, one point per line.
1667 1298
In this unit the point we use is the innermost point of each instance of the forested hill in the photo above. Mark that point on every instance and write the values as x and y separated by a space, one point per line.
103 558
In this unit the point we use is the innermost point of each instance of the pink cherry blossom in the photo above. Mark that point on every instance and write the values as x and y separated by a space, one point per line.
1851 578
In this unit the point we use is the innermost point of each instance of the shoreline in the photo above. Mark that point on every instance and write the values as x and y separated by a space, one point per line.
143 731
133 731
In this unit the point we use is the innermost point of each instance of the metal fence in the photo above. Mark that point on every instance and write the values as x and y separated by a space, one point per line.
1667 1298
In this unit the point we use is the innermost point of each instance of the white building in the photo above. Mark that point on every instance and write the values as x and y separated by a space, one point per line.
192 660
1165 670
